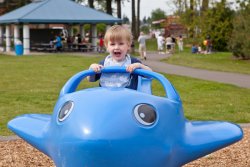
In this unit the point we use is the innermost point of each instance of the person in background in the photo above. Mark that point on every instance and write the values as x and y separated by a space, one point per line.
58 43
51 43
79 38
208 44
200 50
180 43
87 38
168 44
194 48
173 44
142 46
101 44
118 41
160 43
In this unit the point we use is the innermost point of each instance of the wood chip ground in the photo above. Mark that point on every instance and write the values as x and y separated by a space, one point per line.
17 153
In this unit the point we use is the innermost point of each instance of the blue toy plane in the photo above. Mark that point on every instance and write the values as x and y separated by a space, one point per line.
119 127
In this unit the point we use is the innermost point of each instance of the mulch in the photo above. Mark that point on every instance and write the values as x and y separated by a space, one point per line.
17 153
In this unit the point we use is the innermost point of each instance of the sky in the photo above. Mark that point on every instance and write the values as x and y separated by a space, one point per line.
147 6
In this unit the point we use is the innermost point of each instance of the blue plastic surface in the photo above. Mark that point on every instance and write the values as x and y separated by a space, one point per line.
19 49
102 127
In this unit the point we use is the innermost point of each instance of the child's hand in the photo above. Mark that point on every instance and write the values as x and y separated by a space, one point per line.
96 67
130 68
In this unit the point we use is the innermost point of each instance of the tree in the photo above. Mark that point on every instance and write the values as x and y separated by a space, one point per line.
133 26
91 3
119 10
138 22
217 23
204 6
239 42
157 14
9 5
191 18
109 7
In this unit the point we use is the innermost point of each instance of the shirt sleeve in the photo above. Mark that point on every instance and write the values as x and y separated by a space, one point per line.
135 60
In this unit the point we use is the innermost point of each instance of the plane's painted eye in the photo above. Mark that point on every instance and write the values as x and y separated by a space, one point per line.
145 114
65 110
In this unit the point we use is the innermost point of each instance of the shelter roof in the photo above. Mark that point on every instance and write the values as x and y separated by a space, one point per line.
57 11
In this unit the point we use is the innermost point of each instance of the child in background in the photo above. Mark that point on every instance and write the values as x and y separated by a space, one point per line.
194 48
101 44
142 45
118 41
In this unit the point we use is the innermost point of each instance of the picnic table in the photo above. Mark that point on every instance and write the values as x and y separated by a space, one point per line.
69 47
81 47
43 47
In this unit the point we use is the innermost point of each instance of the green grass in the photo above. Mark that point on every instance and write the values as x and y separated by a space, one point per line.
206 100
219 61
31 84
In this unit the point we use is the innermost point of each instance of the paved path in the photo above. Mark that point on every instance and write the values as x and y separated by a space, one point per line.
153 60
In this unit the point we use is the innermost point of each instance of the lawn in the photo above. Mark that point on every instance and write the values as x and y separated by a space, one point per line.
218 61
31 84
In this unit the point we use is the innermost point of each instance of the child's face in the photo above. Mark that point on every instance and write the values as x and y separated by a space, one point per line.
118 49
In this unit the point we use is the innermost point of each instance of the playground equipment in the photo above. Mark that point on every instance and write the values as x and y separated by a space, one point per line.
120 127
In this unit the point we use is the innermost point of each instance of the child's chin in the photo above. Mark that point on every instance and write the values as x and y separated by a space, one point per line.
118 57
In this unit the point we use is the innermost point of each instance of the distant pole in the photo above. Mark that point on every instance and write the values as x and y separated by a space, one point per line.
82 31
16 33
8 42
26 39
94 37
1 35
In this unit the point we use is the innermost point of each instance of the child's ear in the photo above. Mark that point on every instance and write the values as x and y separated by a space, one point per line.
129 45
107 48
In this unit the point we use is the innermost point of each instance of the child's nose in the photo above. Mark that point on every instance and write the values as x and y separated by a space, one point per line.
116 46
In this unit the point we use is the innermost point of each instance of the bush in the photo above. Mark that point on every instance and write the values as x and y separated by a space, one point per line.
239 43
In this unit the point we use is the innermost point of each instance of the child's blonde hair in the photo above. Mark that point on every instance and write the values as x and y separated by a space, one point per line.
118 33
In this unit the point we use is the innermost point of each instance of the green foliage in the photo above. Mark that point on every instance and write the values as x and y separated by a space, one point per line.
157 14
145 29
217 23
239 43
101 28
189 22
9 5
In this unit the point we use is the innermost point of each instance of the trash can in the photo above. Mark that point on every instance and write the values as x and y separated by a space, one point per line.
19 48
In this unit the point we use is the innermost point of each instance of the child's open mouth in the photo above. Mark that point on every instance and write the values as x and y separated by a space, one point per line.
117 53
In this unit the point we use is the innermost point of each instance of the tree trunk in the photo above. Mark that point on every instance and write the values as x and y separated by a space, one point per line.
133 28
91 3
186 5
191 18
119 11
204 5
109 7
138 18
